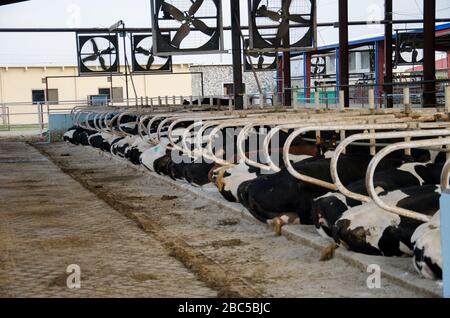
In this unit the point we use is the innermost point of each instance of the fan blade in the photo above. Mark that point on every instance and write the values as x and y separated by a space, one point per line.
182 32
201 26
141 50
415 55
282 31
195 6
94 46
150 61
102 63
299 19
286 5
89 58
263 12
108 51
173 11
269 54
261 62
253 54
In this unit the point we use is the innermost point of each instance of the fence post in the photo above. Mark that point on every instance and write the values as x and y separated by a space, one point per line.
40 117
191 101
245 106
230 104
159 101
181 101
406 100
317 100
174 100
261 100
341 100
146 100
211 101
447 99
372 100
151 104
166 100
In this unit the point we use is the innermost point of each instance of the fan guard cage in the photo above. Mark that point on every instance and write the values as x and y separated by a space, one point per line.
247 60
303 36
414 39
210 13
136 42
320 64
82 45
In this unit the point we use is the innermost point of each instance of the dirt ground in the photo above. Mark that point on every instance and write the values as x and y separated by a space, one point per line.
218 252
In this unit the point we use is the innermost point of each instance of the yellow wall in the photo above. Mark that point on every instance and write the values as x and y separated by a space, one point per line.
16 84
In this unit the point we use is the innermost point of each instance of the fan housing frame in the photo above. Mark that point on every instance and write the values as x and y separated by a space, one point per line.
165 48
258 43
82 39
136 67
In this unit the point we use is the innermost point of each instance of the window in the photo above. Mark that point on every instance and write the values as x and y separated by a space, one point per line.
117 93
38 96
352 62
331 64
365 60
228 89
53 96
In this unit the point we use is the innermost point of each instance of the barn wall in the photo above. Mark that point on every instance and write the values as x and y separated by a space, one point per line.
214 76
17 83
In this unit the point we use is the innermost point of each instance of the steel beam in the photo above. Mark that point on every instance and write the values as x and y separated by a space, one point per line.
429 53
343 51
238 86
388 78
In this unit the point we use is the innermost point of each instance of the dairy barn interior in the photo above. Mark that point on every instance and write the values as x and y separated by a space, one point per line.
208 148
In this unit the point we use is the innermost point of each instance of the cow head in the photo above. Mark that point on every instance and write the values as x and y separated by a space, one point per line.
326 211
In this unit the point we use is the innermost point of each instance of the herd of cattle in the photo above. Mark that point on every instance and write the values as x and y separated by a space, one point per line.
409 181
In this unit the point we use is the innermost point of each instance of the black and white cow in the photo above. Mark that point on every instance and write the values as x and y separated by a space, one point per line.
427 258
78 136
229 178
371 230
272 196
104 141
329 208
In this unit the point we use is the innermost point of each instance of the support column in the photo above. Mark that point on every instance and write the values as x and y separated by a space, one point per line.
429 53
336 65
343 51
287 78
379 70
448 64
236 50
307 76
388 51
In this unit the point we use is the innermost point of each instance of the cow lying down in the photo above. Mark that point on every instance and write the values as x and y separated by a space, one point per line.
329 208
281 196
371 230
427 258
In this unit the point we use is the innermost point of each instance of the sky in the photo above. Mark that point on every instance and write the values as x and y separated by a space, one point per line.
60 49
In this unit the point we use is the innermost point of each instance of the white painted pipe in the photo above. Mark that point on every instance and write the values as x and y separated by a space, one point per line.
386 151
365 136
301 131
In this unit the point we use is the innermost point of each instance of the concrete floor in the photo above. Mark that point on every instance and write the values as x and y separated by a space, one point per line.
134 235
49 221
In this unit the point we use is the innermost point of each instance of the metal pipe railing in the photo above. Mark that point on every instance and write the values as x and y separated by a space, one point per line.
383 153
